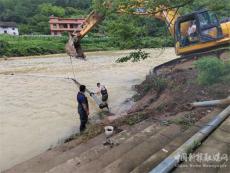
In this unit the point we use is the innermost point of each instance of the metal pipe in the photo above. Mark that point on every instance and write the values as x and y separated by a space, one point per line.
212 102
177 156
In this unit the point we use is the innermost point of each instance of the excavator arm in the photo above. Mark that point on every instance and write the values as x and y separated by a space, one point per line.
90 22
73 46
162 13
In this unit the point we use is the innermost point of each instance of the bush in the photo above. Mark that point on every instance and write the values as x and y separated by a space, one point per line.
27 45
3 46
210 70
157 83
143 42
134 56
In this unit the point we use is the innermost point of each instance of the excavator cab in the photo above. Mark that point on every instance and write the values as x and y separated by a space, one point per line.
197 28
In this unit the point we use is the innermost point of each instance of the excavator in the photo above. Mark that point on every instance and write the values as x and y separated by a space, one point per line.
209 33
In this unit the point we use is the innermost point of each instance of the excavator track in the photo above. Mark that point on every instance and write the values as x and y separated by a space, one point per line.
170 65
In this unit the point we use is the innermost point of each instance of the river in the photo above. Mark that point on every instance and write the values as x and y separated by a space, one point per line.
38 111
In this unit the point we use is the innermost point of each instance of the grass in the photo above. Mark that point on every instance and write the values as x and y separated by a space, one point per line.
30 45
212 70
134 118
11 46
152 82
185 122
94 130
161 107
156 83
193 147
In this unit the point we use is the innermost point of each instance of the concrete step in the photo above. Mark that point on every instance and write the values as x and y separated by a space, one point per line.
49 159
97 150
110 154
166 150
61 154
141 152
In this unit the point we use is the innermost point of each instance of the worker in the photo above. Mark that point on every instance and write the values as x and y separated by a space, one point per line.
104 94
192 31
192 28
103 91
83 107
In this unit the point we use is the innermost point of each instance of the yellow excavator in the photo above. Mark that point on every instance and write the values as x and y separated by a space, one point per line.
196 32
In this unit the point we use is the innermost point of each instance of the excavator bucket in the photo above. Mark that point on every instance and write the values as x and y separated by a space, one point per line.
73 48
77 46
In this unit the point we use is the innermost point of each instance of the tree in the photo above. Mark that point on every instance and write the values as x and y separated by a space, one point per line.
47 9
125 31
24 11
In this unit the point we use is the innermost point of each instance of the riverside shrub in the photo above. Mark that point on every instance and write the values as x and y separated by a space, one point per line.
210 70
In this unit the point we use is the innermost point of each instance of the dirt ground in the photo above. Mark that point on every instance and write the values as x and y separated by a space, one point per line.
170 93
167 98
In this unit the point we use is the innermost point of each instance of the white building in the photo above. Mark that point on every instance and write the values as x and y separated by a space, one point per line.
8 28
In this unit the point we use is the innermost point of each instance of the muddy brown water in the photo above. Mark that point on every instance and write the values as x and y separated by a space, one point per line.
38 112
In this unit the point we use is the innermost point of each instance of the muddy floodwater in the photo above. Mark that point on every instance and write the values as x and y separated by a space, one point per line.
38 107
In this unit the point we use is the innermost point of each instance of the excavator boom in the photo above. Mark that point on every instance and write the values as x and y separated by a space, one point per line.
90 22
209 33
162 13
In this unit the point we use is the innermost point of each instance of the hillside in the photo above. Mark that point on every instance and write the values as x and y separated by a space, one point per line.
32 15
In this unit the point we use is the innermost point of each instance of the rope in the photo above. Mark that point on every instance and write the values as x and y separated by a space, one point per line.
98 101
71 62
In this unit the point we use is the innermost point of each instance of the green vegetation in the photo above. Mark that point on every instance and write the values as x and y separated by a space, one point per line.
157 83
212 70
28 45
185 122
134 56
152 83
33 15
40 45
93 129
120 31
134 118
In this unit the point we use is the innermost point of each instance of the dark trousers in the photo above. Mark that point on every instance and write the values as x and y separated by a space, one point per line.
83 119
104 97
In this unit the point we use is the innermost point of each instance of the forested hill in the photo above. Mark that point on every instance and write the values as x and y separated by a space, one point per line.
33 15
115 32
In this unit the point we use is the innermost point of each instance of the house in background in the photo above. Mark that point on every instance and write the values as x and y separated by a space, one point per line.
8 28
60 25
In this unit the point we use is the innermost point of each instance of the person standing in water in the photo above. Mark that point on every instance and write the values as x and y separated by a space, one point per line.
101 89
83 107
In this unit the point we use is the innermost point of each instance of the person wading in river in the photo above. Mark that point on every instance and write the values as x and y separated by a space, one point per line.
83 107
104 93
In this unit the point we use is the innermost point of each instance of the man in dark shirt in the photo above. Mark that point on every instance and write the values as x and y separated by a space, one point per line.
83 107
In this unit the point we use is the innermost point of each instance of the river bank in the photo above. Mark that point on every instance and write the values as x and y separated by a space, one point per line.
156 124
39 113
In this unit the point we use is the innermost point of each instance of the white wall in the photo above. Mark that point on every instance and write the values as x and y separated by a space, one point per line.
10 31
